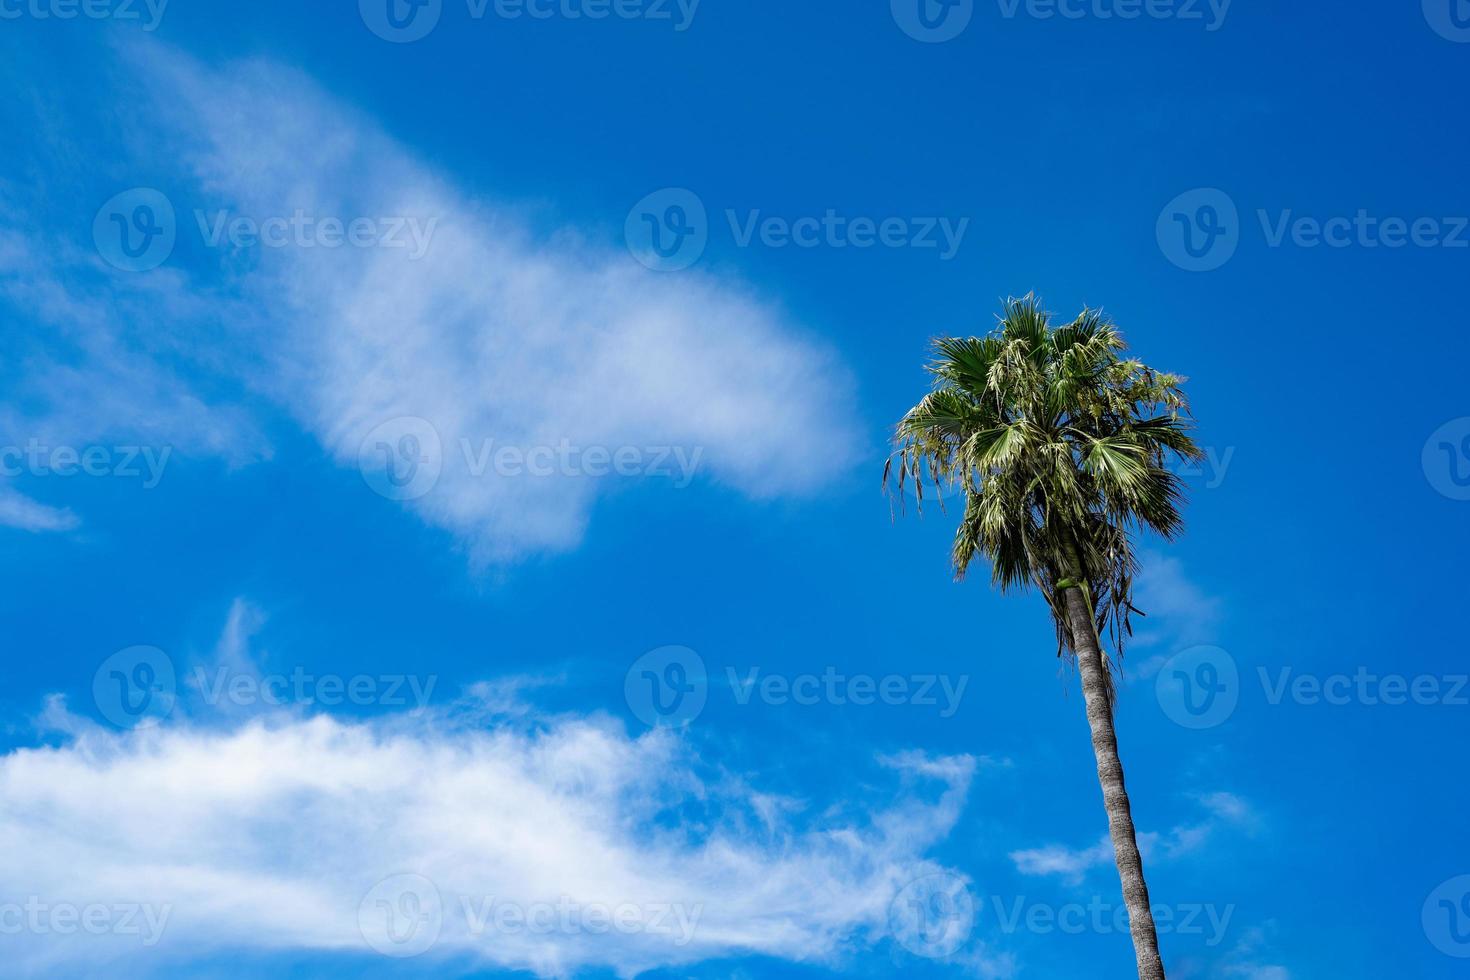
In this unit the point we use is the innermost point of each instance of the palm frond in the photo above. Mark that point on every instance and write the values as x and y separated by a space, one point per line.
1059 445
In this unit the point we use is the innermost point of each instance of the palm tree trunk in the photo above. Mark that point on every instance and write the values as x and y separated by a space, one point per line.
1110 774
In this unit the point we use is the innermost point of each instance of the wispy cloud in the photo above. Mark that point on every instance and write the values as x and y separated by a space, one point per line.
496 336
1067 862
1178 613
1221 810
20 511
1250 959
94 359
499 336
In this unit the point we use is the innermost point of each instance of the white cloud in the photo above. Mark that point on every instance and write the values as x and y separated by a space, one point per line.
1228 807
495 333
1246 960
1171 595
1178 613
499 336
271 834
1072 864
1056 859
96 360
17 510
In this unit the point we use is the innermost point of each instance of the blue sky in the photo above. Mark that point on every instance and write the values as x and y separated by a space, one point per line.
458 493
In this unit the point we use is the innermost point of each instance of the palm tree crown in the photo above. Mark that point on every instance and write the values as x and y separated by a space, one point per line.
1059 444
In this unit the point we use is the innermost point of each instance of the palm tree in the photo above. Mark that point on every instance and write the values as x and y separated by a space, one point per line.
1058 444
